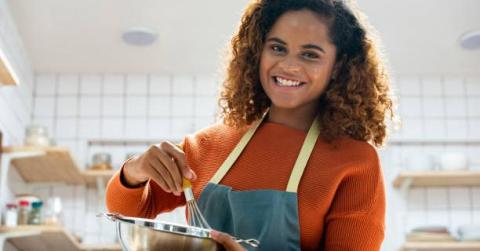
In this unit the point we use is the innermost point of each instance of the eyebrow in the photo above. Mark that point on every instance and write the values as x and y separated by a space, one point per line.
306 46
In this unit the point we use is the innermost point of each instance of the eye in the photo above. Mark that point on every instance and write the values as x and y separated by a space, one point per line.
277 49
310 55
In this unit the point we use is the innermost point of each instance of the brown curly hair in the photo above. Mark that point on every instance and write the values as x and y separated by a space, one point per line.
357 100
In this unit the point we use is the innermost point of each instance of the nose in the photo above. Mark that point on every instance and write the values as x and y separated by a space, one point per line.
289 65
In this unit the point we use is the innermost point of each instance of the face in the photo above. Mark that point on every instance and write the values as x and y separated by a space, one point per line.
297 60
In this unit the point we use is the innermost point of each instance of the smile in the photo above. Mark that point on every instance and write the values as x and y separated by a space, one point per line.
287 82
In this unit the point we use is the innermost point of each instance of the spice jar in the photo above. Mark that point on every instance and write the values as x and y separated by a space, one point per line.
101 161
36 135
11 215
35 216
23 212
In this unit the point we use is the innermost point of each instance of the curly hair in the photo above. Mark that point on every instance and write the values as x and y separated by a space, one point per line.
356 101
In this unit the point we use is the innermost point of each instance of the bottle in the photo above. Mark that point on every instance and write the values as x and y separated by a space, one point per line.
11 215
35 216
23 212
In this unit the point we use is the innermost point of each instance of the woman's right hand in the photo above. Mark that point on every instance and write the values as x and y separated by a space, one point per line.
164 163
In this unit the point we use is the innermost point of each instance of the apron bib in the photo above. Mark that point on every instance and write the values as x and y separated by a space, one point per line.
270 216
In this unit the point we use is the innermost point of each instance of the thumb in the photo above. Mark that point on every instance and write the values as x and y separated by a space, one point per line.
226 241
189 173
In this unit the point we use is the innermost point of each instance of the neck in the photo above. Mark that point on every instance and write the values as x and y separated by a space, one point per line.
298 118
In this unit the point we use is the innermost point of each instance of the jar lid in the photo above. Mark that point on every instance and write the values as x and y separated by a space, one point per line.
11 205
37 204
24 203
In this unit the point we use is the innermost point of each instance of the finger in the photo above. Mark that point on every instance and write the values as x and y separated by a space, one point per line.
172 168
155 176
226 241
179 157
162 170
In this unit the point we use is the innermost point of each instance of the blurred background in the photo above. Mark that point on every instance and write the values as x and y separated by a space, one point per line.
94 82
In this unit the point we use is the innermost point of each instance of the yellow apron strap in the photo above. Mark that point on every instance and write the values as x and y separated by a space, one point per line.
222 171
300 163
303 156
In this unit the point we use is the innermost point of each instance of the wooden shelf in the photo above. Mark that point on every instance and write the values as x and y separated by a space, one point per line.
128 142
50 238
438 178
41 238
91 176
55 164
432 142
6 74
441 246
93 247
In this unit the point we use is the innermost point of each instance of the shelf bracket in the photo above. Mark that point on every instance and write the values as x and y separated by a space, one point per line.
5 165
101 192
406 184
5 236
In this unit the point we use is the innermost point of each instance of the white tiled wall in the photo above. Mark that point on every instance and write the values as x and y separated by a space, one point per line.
441 109
78 108
15 102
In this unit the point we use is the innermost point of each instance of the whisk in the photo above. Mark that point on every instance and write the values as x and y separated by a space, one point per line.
195 217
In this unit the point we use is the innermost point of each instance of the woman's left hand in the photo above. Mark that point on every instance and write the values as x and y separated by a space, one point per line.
226 241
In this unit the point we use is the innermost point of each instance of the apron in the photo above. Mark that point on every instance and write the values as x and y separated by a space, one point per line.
270 216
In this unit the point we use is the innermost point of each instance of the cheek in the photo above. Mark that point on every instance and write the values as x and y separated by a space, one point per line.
265 63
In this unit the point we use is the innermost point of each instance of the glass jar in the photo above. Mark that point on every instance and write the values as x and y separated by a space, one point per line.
23 212
35 216
36 135
11 215
53 211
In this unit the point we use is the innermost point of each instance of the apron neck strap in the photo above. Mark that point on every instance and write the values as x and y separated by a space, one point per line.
300 163
303 156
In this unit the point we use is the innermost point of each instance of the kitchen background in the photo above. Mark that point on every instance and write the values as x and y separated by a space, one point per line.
95 94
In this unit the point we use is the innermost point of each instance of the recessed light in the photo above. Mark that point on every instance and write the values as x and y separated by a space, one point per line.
139 36
470 40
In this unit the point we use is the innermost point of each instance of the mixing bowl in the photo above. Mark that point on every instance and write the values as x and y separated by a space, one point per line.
139 234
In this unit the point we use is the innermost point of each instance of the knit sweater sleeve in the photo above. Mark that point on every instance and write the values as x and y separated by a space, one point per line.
146 201
356 218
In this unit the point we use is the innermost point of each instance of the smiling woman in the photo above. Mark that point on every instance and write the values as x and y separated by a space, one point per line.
293 165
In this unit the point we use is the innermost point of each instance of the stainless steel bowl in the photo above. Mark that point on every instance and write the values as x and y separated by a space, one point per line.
138 234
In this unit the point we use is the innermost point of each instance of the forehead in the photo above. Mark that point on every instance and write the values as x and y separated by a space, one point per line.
301 25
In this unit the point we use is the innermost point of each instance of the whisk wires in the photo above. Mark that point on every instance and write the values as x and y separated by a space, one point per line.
195 217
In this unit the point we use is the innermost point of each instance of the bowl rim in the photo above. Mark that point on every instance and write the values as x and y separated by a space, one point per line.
162 226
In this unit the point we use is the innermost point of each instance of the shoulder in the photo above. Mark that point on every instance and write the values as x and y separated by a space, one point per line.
353 157
214 133
358 150
214 136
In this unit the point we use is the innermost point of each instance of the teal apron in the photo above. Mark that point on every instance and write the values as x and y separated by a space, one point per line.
270 216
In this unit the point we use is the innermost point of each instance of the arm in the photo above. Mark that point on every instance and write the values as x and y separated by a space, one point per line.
145 200
150 183
357 215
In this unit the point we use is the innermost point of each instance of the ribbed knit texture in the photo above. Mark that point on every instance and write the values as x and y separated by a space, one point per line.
341 195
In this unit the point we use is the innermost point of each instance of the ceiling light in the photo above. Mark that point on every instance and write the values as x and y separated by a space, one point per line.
139 36
470 40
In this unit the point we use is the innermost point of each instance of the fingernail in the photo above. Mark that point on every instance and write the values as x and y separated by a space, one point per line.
189 175
214 234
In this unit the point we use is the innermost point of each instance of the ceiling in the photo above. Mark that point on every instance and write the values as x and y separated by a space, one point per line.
84 36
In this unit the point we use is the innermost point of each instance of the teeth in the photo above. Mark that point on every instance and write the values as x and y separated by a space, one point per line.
286 82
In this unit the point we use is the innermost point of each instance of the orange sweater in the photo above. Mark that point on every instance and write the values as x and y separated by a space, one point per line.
341 195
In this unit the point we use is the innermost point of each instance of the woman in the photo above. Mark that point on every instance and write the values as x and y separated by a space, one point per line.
293 165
